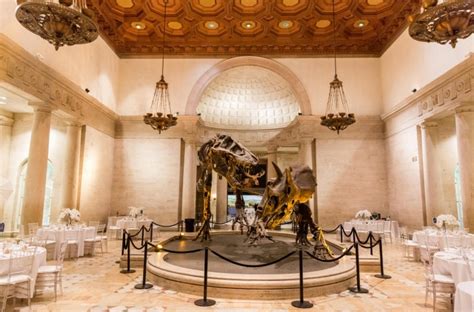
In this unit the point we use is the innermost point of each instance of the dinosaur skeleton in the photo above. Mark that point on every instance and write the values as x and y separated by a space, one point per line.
283 196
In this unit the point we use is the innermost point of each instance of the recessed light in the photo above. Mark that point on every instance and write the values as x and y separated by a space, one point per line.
248 24
285 24
361 23
138 25
211 25
323 23
175 25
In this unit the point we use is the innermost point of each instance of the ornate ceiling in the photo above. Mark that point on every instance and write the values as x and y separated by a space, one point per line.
222 28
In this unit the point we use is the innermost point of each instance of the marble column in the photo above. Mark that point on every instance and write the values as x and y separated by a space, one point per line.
465 145
271 157
6 186
431 176
35 183
71 166
189 180
307 157
221 209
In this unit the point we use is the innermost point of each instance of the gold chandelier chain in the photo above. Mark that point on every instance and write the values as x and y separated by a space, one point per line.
164 36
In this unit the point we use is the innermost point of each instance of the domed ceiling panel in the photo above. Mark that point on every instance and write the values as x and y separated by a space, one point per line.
217 28
248 97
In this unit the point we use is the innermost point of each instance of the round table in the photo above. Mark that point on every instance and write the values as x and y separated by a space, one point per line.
59 235
464 299
449 263
127 223
20 262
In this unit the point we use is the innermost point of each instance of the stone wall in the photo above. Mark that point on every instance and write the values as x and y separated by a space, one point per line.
96 179
351 176
146 174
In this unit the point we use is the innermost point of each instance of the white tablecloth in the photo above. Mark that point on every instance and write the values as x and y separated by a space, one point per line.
19 262
127 223
452 264
374 226
72 234
464 299
442 240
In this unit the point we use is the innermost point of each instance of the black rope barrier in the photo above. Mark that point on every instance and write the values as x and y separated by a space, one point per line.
144 284
358 288
381 275
252 265
345 253
333 230
205 302
128 270
302 304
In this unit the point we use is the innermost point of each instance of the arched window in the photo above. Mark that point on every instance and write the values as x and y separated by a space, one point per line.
21 193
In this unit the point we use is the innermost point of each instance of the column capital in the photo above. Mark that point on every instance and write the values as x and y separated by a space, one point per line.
6 121
73 123
465 108
428 124
41 107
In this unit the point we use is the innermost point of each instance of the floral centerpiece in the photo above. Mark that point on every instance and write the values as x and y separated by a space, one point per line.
133 211
446 221
69 216
363 214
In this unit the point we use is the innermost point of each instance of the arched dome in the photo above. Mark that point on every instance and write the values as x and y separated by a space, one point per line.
248 97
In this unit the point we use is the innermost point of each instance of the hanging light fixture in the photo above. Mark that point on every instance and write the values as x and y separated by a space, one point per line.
60 22
337 116
161 117
445 22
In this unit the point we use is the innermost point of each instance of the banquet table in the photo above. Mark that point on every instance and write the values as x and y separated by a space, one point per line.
373 226
133 223
464 298
20 261
60 234
443 240
452 263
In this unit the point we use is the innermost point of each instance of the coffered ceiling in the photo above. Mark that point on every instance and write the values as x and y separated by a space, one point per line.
222 28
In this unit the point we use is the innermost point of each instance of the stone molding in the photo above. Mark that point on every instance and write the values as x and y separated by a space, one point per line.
22 70
468 108
442 96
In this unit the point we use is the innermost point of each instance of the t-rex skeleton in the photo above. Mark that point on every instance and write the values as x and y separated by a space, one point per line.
284 195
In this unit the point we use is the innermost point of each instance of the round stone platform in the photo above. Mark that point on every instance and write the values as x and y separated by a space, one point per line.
184 272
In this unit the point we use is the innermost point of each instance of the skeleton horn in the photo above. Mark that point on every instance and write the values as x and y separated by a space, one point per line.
277 169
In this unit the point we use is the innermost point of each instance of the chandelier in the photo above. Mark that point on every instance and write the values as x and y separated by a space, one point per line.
337 116
445 22
60 22
161 117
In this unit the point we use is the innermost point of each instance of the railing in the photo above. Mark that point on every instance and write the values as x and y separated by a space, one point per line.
301 303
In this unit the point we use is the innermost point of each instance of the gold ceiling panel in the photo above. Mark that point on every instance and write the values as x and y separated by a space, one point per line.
223 28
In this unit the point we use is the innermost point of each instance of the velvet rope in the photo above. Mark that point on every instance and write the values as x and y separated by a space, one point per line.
220 223
252 265
333 259
175 251
171 225
334 230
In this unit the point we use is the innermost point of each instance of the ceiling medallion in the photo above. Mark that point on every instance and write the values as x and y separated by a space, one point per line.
442 23
63 22
161 117
285 24
138 25
211 25
248 24
337 116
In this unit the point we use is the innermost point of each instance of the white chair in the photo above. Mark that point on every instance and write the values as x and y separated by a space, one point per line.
409 245
33 228
437 283
72 244
48 242
18 279
103 236
49 275
113 231
387 230
90 244
94 223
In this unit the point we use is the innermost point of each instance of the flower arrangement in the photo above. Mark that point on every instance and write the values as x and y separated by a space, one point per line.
446 220
133 211
69 216
363 214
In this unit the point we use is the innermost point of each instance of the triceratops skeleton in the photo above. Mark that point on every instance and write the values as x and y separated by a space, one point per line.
283 196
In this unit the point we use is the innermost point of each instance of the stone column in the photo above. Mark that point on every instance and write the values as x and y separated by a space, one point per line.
71 166
221 210
431 177
271 157
465 144
307 157
35 183
189 180
6 186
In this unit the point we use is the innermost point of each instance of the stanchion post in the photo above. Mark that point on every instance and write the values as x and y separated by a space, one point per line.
204 302
371 247
358 288
151 232
144 284
129 245
123 242
381 275
341 228
301 303
143 234
353 235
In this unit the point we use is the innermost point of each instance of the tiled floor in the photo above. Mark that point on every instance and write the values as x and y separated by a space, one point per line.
95 284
